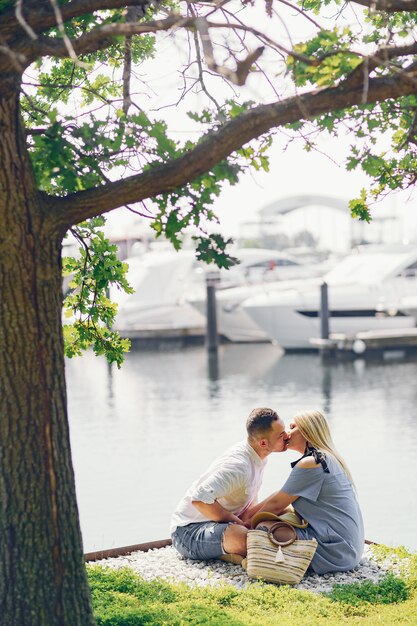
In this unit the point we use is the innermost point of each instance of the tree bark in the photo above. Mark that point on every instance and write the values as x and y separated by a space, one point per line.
42 572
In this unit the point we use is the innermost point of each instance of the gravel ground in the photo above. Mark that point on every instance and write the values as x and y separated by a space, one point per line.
167 564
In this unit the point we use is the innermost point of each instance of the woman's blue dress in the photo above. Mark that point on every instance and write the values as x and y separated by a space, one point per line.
328 502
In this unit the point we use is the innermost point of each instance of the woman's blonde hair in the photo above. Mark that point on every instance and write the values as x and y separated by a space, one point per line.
314 428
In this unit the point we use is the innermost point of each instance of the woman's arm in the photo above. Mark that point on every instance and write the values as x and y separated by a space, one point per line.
280 500
276 503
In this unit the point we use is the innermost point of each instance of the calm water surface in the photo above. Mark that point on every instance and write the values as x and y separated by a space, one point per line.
141 435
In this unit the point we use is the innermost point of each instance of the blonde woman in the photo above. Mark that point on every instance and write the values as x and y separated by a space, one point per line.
320 489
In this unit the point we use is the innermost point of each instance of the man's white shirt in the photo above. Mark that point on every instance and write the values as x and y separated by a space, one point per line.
233 480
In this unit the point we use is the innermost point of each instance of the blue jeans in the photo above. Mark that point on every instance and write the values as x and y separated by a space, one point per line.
201 541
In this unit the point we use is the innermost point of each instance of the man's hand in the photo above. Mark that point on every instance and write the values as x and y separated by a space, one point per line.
247 515
277 503
217 513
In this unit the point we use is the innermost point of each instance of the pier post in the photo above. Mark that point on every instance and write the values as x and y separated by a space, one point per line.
212 338
324 311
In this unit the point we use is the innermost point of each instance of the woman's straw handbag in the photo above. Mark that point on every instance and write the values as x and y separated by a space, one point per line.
278 561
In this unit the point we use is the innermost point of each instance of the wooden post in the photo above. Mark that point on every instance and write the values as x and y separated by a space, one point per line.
213 365
212 339
324 311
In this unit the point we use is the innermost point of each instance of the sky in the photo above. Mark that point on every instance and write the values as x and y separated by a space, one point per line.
293 171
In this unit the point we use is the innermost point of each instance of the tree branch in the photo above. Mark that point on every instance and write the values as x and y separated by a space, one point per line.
40 14
389 6
133 14
382 58
217 145
103 36
243 68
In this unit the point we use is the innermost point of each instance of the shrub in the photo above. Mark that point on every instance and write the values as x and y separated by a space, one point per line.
390 589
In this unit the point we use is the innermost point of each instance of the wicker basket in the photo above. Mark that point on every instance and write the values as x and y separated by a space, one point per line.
271 561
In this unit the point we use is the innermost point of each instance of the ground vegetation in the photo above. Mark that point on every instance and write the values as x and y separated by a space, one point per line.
122 598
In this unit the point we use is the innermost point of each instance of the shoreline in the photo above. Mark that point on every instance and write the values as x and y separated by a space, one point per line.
164 563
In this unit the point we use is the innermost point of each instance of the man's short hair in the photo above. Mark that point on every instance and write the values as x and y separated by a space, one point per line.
259 422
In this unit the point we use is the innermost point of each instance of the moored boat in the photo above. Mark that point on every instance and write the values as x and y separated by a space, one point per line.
365 293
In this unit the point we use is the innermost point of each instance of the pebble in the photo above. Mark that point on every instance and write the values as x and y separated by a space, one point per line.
167 564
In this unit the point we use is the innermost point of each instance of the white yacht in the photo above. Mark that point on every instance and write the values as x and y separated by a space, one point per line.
408 305
158 308
365 292
164 280
233 322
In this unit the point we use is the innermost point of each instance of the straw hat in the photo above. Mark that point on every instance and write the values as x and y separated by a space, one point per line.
291 517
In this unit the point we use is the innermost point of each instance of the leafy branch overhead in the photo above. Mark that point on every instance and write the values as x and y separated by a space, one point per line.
92 272
79 70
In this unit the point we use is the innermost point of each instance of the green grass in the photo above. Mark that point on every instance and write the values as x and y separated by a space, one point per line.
122 598
389 590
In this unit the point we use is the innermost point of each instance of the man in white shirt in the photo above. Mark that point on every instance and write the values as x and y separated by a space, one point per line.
206 523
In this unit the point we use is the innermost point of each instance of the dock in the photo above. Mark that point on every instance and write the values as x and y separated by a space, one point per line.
367 343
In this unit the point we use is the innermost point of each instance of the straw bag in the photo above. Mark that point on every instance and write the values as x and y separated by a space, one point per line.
284 562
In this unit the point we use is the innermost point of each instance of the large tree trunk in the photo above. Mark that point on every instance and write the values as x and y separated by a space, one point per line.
42 572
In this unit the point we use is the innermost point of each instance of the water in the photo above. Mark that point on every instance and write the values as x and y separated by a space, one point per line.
141 435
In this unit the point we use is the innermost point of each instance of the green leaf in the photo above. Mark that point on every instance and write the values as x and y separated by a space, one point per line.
94 271
359 207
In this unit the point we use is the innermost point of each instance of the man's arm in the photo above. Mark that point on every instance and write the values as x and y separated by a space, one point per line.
276 503
216 512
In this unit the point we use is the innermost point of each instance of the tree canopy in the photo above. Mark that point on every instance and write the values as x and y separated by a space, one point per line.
94 147
73 64
77 140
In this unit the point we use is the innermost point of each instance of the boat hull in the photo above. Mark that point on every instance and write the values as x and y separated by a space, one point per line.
292 318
